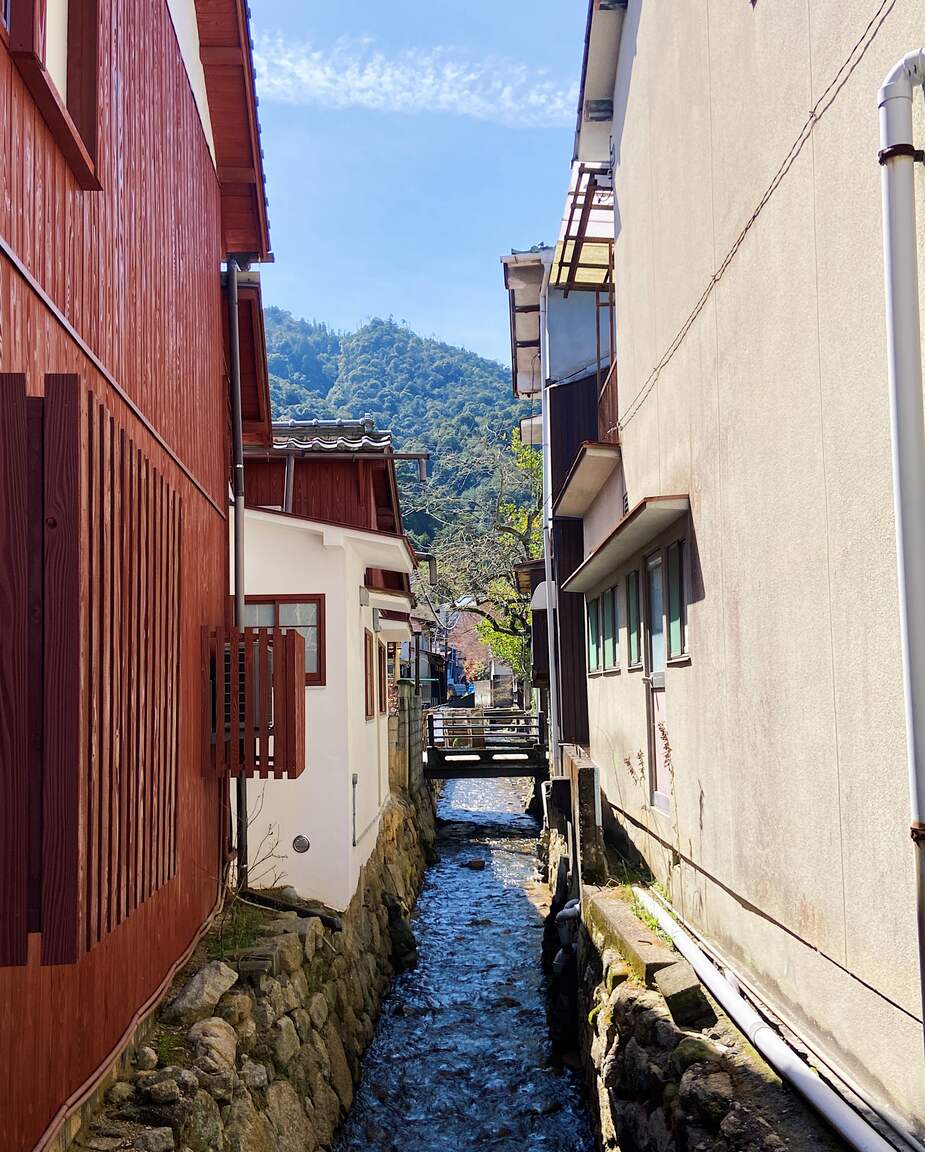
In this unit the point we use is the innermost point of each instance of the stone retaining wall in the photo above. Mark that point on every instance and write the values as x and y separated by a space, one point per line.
665 1070
260 1052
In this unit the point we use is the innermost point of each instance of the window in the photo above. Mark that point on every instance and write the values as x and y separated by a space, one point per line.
610 628
677 607
305 614
594 635
632 620
369 674
383 679
55 46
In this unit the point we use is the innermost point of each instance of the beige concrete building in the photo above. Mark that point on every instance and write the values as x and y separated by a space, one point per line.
744 688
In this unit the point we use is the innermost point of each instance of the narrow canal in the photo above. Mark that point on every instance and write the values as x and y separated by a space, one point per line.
461 1058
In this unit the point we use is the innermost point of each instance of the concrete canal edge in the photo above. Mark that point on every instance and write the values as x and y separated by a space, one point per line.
259 1051
664 1069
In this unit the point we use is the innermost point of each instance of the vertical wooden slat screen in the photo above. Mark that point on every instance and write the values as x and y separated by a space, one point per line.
14 728
253 698
65 921
113 537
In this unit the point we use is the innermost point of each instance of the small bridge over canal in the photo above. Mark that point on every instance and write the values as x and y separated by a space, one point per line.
485 743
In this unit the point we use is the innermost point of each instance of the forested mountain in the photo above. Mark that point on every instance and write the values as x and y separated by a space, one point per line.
432 396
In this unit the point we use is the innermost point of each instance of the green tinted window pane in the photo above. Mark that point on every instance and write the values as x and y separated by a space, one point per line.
607 628
616 627
594 637
259 615
632 615
675 601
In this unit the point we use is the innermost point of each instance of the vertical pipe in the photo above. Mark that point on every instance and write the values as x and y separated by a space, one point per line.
904 358
417 664
289 482
551 592
237 436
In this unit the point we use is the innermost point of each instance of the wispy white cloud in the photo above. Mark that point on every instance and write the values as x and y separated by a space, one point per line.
353 73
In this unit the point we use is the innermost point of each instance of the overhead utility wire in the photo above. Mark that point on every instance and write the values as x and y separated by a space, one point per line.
819 109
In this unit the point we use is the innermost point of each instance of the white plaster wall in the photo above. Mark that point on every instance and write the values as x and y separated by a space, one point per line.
788 840
284 556
56 13
183 15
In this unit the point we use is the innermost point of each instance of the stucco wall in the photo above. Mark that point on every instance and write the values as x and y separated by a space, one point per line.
286 556
788 841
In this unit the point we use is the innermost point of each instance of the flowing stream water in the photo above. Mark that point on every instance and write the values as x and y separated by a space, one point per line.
461 1057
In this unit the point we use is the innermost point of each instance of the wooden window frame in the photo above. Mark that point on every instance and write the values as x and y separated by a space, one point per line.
369 675
312 679
74 123
383 681
632 579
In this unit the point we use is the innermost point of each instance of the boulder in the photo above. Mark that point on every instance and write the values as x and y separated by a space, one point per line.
214 1037
694 1050
201 994
293 1131
201 1130
254 1075
745 1131
145 1059
289 952
246 1130
236 1006
285 1042
318 1010
120 1093
155 1140
706 1093
341 1078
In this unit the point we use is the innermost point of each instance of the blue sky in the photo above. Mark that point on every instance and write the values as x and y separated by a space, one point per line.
408 145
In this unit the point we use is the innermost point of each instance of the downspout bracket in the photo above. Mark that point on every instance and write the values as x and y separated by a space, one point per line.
917 154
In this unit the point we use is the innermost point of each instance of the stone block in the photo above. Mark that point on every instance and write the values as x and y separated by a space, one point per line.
683 993
202 992
155 1140
613 923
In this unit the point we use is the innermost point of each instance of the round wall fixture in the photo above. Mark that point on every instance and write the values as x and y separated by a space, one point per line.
301 844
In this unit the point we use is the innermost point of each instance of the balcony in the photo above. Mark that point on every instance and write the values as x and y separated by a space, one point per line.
253 685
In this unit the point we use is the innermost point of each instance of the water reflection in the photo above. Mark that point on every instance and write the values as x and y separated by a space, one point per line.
461 1058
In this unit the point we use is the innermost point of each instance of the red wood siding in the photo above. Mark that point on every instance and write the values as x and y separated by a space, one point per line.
253 693
133 308
355 493
14 732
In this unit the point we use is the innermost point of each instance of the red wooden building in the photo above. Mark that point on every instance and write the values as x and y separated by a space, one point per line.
131 168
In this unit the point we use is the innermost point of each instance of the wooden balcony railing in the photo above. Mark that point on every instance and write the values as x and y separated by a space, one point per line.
253 685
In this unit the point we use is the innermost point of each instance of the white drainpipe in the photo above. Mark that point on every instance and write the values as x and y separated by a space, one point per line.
904 356
552 597
850 1124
